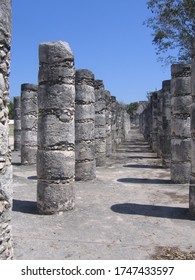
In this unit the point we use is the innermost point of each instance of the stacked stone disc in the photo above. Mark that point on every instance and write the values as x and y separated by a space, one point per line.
85 164
17 123
56 128
108 124
100 123
29 115
166 123
180 123
6 244
192 178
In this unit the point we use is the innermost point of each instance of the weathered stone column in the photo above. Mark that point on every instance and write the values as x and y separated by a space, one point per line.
108 124
100 123
29 111
180 123
126 123
118 124
85 165
6 248
56 128
166 123
159 123
17 123
154 130
113 122
192 178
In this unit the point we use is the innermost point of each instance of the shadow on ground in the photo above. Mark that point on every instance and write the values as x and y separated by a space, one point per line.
143 166
152 211
143 157
24 206
144 181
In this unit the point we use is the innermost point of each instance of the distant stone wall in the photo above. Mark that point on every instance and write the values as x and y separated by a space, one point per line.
6 247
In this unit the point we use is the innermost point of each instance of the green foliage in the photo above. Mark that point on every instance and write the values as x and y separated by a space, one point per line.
173 24
132 107
11 110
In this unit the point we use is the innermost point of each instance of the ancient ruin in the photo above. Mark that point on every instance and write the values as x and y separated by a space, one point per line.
29 116
56 128
6 245
69 128
85 164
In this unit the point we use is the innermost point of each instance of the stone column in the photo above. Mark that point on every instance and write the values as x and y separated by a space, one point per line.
108 124
154 130
100 123
166 123
180 123
17 123
6 248
29 111
113 122
159 123
126 123
56 128
85 165
118 124
192 178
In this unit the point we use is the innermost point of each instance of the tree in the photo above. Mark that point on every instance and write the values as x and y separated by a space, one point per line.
132 107
173 24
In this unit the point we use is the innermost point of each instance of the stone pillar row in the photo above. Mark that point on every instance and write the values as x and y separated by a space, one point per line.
167 124
69 125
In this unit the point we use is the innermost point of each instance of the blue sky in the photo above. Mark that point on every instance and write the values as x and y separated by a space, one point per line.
106 36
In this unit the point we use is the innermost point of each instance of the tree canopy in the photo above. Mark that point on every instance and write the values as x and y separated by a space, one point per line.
173 24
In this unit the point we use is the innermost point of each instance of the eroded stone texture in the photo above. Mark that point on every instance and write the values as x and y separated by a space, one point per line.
192 177
180 123
6 244
56 128
17 123
166 123
85 164
29 116
100 123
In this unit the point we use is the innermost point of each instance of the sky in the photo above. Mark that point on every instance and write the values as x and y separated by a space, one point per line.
106 36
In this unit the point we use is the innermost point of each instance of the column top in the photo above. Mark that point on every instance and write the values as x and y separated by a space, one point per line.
55 52
84 74
27 86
